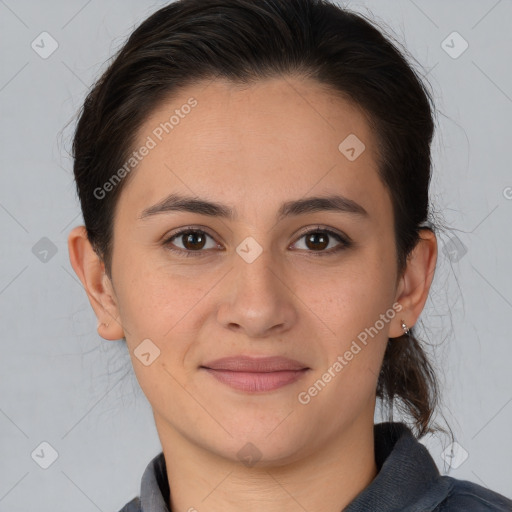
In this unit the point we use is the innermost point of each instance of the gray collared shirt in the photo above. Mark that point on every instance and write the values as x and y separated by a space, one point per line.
408 480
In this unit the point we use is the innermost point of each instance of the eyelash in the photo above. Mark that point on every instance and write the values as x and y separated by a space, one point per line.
345 242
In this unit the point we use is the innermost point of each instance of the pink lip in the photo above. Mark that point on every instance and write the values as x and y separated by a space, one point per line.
256 374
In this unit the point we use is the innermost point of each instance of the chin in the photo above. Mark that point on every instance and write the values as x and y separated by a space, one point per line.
256 447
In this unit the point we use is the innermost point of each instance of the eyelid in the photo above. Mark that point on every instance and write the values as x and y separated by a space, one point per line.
186 229
327 229
344 241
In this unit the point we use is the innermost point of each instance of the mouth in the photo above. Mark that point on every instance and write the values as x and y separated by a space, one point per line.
256 374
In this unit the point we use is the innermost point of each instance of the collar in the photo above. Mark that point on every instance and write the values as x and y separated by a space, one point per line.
407 479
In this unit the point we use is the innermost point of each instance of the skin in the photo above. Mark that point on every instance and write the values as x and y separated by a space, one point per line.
253 148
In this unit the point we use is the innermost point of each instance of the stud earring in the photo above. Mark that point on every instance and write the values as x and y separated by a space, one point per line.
405 328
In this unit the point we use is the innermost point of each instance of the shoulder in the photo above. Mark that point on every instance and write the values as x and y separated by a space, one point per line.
132 506
465 495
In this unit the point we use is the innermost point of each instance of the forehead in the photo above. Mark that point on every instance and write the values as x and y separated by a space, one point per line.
276 138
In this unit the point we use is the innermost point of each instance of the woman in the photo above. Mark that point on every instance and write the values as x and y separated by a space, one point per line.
254 180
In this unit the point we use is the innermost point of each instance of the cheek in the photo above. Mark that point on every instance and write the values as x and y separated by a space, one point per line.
351 296
157 306
355 303
163 302
353 309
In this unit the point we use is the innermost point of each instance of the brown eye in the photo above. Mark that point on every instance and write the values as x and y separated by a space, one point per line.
193 240
188 241
318 240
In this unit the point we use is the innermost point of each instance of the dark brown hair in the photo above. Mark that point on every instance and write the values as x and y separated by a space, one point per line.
189 41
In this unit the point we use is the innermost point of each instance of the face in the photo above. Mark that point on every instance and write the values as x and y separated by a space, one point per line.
257 276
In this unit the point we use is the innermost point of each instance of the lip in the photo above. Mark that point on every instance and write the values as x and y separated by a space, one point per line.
255 364
256 374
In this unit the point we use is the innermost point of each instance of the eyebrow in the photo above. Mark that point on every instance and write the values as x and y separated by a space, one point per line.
180 203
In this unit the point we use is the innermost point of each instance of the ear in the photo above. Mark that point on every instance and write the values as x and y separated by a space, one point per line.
414 284
90 269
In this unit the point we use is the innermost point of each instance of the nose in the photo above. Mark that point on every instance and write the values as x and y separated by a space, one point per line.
257 298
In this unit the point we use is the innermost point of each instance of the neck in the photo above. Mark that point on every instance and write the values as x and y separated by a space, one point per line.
326 480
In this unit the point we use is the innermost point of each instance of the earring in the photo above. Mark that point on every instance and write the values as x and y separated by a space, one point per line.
405 328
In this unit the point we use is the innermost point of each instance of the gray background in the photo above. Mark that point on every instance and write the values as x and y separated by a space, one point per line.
61 383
